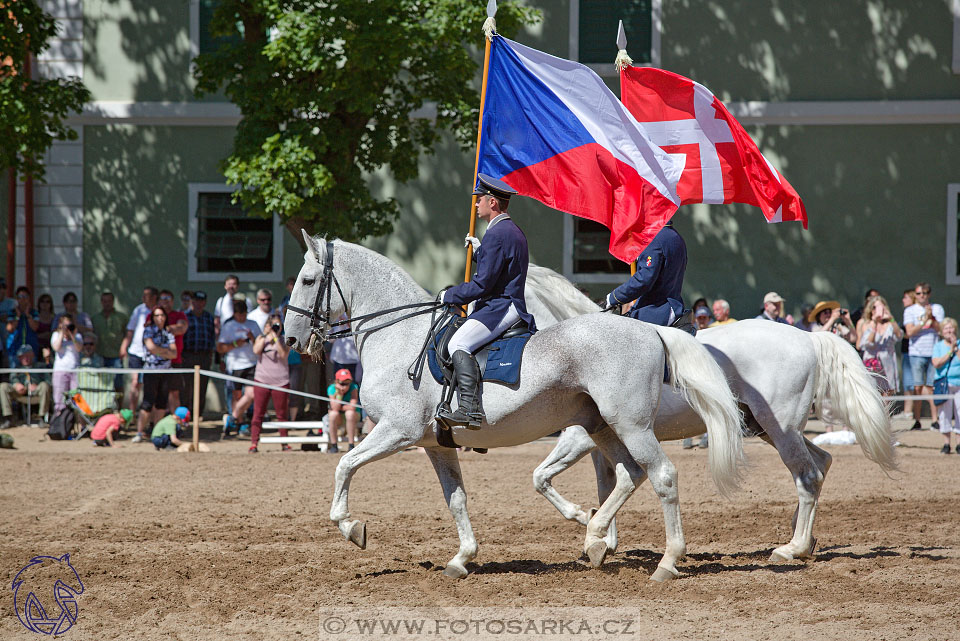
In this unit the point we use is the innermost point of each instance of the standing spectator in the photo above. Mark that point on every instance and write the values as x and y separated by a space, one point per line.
80 319
802 322
24 386
343 390
721 312
45 326
947 362
22 329
857 314
921 322
908 405
878 334
109 325
223 310
263 310
132 346
828 316
8 307
272 352
199 344
291 281
773 308
176 325
236 343
702 317
186 300
161 349
66 344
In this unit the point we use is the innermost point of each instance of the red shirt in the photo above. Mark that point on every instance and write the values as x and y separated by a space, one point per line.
106 423
173 318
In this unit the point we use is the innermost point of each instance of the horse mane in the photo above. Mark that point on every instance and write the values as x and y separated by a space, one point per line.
557 294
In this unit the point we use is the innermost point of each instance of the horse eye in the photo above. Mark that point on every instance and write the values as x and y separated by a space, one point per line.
309 281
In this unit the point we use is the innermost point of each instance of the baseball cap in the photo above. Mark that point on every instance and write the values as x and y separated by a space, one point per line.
239 297
182 413
702 311
24 349
126 415
772 297
344 375
200 294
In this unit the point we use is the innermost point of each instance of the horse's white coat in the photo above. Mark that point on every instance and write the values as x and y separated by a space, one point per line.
602 372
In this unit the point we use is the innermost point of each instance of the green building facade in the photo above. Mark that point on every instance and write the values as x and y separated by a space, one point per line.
857 103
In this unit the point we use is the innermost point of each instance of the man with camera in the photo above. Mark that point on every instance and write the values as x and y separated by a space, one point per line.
828 316
921 324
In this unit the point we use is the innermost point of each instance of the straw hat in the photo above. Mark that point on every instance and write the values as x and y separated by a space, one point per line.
819 307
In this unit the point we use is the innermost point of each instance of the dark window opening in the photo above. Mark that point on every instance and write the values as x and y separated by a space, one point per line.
230 241
591 241
598 30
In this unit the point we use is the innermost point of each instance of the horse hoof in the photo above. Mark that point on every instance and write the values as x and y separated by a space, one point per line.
358 535
662 575
454 572
597 552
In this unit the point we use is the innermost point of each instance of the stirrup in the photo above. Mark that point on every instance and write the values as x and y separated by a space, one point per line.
451 419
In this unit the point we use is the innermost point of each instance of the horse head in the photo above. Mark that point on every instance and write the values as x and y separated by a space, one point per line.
315 302
42 576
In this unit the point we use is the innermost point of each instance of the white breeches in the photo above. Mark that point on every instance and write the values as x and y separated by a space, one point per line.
473 334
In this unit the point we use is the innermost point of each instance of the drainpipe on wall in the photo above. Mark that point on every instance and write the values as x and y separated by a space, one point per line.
28 210
12 232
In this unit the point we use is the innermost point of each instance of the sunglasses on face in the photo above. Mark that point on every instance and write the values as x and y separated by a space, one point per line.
166 298
22 296
89 344
264 300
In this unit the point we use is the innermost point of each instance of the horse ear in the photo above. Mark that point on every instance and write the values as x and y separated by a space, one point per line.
311 245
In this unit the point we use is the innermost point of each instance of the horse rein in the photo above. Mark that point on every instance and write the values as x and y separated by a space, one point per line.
320 320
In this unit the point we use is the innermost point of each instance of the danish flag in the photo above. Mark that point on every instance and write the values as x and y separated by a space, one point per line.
723 164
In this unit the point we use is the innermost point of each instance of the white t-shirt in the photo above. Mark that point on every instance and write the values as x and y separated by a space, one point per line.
259 317
224 309
137 319
242 357
68 356
921 343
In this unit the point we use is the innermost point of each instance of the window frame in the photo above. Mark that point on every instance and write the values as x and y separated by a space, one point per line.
953 212
194 190
608 69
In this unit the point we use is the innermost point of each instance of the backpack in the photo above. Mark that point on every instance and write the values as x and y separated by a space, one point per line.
61 427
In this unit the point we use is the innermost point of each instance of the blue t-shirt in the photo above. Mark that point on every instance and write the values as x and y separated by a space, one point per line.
942 349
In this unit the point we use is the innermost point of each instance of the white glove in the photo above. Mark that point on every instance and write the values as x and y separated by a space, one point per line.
611 301
443 296
472 240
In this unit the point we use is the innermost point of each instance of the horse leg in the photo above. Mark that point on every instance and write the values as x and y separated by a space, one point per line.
606 481
381 442
646 451
573 445
447 466
627 475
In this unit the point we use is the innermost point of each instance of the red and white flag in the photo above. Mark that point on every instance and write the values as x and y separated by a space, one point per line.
723 164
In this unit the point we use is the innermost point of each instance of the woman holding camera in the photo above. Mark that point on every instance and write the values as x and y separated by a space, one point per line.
66 345
878 335
272 369
828 316
947 362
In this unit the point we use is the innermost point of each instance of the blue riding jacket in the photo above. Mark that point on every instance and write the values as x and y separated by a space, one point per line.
501 276
656 285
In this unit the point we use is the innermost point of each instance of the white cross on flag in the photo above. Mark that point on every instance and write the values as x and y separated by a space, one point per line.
723 164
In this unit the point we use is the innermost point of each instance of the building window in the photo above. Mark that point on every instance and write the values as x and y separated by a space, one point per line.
591 241
201 39
953 234
223 239
593 32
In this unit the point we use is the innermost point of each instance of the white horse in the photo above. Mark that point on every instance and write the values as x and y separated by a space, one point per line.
574 373
777 372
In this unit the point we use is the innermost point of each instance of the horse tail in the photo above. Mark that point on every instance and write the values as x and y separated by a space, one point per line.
704 386
853 397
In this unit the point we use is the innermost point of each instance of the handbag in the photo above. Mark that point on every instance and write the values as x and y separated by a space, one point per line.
940 385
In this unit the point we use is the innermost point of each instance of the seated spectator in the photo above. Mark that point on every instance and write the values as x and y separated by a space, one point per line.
24 387
877 338
81 319
947 362
721 312
161 349
66 343
22 327
272 369
168 430
88 353
108 426
236 344
828 316
702 317
343 389
773 308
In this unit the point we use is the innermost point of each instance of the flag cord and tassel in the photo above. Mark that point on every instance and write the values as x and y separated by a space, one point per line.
623 60
489 30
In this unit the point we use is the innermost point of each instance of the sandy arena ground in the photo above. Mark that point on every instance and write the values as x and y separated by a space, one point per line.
226 545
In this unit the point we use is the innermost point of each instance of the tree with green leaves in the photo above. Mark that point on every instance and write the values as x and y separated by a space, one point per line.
328 91
32 110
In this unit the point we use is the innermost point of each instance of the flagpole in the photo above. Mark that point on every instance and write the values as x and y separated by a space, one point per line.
489 27
621 62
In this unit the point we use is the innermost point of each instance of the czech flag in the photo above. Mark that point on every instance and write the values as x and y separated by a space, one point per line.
553 131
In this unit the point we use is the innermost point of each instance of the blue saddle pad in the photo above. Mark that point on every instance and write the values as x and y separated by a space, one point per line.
503 359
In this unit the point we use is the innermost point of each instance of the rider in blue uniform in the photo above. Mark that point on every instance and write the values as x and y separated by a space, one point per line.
656 285
497 288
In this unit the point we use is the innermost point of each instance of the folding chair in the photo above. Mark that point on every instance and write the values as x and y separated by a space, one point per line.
94 397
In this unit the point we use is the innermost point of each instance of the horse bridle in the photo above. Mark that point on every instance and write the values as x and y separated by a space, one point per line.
319 321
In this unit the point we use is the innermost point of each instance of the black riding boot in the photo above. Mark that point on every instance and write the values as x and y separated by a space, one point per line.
467 373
